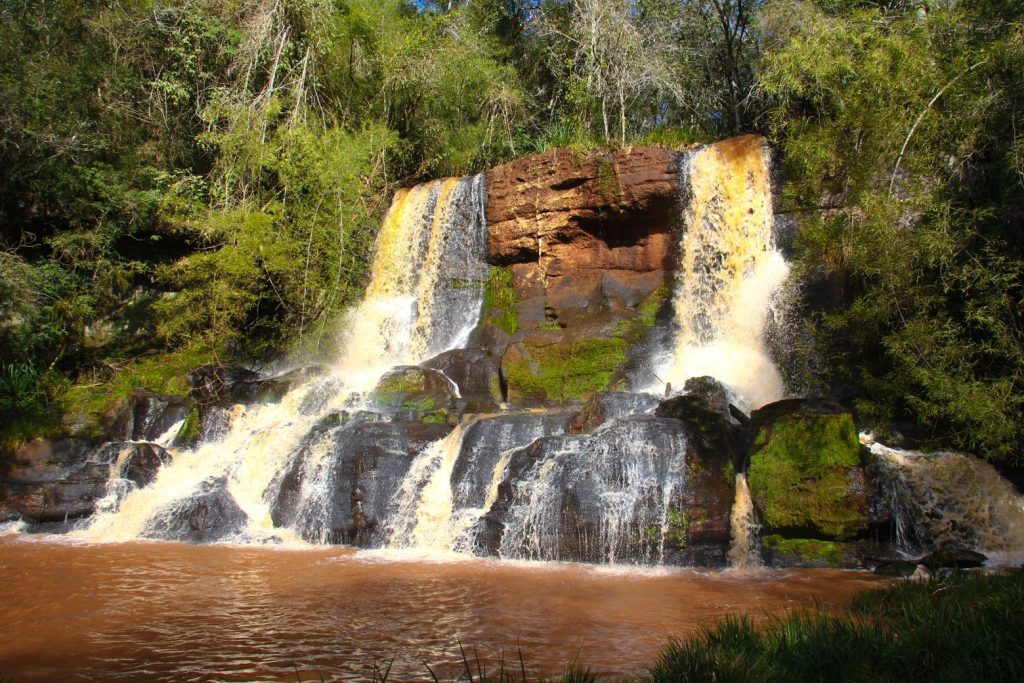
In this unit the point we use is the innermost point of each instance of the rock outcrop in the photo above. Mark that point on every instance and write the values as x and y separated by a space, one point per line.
55 480
809 489
363 464
588 240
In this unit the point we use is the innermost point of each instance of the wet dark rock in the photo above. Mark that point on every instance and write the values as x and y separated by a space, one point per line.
475 373
142 463
705 407
953 557
208 515
136 461
51 480
144 416
343 417
608 405
483 443
213 383
637 490
212 422
271 389
899 568
351 473
700 395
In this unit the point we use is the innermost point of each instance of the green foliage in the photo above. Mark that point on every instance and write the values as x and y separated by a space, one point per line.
903 127
83 405
215 172
963 628
797 474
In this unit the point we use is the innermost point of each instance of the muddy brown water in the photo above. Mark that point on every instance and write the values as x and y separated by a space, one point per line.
147 611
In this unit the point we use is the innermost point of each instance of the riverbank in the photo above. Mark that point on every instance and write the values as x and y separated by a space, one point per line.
956 627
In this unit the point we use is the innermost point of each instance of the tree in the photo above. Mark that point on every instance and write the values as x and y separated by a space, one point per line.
901 150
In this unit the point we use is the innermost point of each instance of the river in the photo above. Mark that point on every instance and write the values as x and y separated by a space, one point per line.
151 611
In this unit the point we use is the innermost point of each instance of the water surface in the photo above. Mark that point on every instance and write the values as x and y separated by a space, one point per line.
146 611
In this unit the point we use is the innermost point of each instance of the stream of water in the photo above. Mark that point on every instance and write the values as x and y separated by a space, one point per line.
158 611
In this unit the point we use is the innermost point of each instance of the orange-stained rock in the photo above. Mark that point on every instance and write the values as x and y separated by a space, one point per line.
599 210
589 236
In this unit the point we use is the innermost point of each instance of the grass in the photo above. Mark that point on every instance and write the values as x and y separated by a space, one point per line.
966 627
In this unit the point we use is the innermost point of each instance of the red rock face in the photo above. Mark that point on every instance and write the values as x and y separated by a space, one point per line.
588 235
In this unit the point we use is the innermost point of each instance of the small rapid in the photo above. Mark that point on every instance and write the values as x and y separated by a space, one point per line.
950 500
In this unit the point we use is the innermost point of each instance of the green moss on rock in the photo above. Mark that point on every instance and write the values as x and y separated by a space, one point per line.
800 474
567 372
807 550
85 405
189 432
500 301
575 370
423 391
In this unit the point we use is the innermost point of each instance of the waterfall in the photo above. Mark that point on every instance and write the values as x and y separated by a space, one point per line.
424 297
423 506
950 499
743 552
602 497
729 272
452 484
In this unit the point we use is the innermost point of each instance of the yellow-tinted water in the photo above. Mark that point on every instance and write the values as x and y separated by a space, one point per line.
162 611
729 272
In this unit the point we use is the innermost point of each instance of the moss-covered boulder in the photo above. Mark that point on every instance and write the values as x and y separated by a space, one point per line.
418 393
779 551
476 375
804 474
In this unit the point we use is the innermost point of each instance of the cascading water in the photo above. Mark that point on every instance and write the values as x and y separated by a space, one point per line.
454 482
729 272
743 551
943 499
424 297
603 497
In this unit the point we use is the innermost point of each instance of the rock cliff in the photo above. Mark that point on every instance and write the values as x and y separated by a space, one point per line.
586 239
